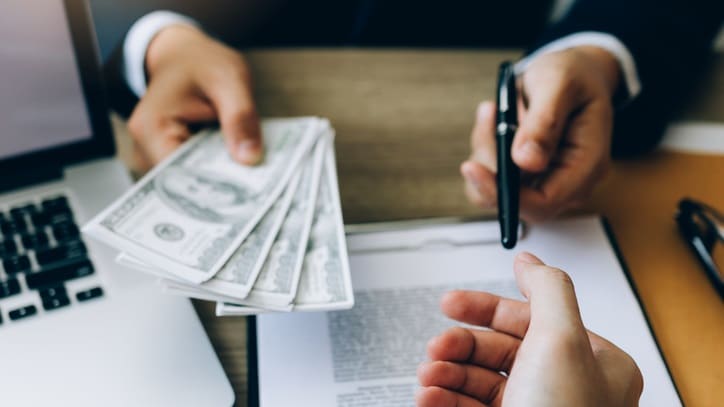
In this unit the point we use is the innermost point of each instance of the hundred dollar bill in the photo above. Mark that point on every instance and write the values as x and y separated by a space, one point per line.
171 287
277 282
325 282
227 309
125 260
189 214
237 276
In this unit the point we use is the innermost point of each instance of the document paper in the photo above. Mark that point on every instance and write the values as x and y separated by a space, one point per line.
367 356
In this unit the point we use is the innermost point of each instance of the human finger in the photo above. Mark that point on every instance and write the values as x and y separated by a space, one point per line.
488 349
552 97
579 166
488 310
482 138
480 186
140 162
231 95
439 397
479 383
550 292
155 134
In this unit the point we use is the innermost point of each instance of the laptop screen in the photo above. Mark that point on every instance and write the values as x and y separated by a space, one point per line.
41 97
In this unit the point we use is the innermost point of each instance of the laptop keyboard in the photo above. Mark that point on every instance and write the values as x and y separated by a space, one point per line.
41 249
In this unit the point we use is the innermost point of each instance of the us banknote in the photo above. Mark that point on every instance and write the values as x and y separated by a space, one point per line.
237 276
189 215
277 283
325 281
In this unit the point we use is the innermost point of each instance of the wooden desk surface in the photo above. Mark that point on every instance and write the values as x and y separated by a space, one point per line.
403 120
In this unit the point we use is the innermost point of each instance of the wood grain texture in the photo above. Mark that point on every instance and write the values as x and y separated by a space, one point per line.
403 119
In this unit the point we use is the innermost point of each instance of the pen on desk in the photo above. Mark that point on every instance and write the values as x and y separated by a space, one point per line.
508 174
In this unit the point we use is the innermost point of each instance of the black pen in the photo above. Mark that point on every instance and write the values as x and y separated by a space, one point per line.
508 176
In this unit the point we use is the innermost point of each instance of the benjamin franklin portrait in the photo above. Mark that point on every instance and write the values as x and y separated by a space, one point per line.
203 197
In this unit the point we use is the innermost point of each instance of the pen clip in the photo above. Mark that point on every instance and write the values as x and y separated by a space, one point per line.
507 99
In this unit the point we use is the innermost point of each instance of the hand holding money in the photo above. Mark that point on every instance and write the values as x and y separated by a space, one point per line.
181 92
268 237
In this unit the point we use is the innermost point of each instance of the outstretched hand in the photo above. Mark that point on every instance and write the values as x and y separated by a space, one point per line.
535 353
193 79
563 141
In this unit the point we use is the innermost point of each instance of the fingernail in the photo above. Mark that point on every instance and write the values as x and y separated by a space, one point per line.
528 258
530 150
249 151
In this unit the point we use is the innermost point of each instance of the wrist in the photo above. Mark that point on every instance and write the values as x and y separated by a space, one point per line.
605 64
168 44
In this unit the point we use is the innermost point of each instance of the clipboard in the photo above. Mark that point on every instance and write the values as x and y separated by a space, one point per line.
406 226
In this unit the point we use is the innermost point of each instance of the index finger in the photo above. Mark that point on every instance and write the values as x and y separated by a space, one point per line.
578 166
552 96
488 310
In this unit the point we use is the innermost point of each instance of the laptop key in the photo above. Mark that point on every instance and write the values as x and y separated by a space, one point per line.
16 264
20 212
22 312
9 287
55 303
10 227
8 248
68 251
6 227
50 218
86 295
60 217
65 231
57 275
55 204
17 215
53 292
37 240
39 219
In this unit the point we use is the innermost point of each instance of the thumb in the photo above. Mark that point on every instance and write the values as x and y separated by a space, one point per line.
550 104
241 130
550 292
234 104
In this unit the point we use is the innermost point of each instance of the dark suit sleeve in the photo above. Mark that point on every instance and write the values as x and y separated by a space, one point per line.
233 21
671 42
120 96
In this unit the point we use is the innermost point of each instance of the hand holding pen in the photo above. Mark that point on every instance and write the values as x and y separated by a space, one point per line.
562 143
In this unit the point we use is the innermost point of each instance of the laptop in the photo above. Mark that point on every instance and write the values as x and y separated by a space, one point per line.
75 328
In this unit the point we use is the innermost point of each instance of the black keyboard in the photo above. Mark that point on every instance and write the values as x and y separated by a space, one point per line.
41 244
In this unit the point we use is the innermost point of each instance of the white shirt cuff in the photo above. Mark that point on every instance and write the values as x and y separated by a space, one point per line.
136 44
597 39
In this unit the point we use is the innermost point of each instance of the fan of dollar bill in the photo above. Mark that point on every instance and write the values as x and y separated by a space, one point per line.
254 239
